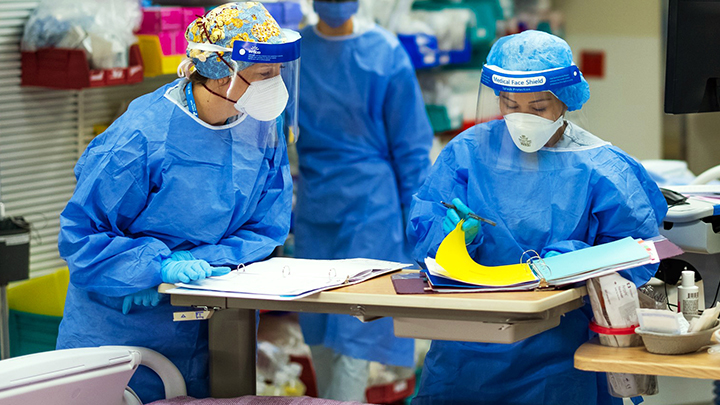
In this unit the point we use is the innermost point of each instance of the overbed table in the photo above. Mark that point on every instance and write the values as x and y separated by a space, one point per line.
485 317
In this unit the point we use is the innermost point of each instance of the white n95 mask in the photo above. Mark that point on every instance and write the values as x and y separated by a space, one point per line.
530 132
264 100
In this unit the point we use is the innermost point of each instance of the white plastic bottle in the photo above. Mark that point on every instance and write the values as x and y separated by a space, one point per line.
688 295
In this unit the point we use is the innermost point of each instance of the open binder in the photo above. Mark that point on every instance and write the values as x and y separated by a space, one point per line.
284 278
453 270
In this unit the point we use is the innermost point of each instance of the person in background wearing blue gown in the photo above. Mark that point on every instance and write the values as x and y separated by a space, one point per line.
180 187
551 187
363 151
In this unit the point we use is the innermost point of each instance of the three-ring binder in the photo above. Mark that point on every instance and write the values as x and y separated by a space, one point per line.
283 278
538 267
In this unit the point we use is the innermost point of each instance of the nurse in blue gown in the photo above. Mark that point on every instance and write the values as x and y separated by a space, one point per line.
551 187
182 186
363 151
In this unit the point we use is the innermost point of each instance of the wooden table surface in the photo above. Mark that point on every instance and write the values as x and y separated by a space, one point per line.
380 292
637 360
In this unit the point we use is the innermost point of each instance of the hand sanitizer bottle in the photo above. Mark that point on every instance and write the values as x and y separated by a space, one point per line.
688 295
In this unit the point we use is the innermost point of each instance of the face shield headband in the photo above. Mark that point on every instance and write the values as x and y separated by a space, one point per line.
257 52
500 79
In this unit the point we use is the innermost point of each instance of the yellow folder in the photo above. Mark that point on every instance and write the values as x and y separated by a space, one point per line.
453 256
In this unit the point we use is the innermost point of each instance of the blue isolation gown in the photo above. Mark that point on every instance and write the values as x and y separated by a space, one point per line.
159 180
582 192
363 150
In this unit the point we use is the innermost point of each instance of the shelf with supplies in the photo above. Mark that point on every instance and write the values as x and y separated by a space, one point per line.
424 52
161 37
450 34
68 69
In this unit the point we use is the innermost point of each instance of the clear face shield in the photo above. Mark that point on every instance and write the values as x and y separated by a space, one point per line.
527 101
270 83
264 83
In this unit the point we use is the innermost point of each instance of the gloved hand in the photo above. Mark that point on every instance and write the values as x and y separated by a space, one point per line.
551 253
182 255
471 226
183 271
147 298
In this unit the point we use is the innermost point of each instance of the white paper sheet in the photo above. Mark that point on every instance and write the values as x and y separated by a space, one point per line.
289 277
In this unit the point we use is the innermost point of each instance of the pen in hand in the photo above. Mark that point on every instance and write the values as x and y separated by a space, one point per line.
471 215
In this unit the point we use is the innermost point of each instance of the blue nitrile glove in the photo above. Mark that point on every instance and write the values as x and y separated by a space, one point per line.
182 255
551 254
220 271
185 271
187 256
146 298
471 226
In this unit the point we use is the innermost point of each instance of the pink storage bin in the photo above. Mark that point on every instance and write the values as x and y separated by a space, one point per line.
190 14
159 19
172 42
167 42
180 43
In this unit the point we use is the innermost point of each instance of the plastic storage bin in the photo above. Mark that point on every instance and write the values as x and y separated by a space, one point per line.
441 120
154 60
67 69
190 14
392 392
36 308
32 333
481 35
44 295
172 43
169 24
157 19
422 49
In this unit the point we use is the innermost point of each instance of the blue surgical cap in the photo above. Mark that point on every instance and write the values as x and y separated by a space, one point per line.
247 21
531 51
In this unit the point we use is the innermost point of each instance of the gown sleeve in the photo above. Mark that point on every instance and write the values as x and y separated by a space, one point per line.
408 128
627 202
112 189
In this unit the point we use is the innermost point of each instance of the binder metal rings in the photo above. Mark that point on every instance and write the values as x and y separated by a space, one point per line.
538 267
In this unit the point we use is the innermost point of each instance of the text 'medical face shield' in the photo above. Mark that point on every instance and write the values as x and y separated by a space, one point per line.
531 95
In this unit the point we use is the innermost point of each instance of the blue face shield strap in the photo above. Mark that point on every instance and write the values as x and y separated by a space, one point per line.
529 82
256 52
333 13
